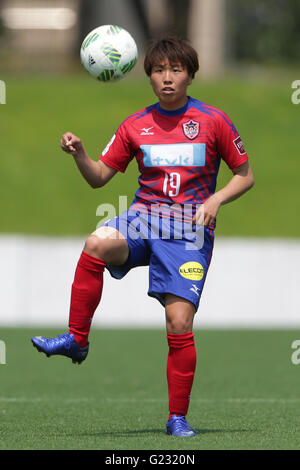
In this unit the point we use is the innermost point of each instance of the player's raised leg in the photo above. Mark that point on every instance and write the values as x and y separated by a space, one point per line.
104 246
181 363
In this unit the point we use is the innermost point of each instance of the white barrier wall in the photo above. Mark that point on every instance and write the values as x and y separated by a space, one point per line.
251 283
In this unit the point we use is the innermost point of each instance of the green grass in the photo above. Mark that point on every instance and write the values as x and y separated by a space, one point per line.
245 394
42 191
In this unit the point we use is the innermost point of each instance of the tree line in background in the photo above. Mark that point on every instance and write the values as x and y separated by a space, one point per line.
261 31
256 30
264 30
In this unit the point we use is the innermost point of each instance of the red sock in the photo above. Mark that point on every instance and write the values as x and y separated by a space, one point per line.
85 297
181 367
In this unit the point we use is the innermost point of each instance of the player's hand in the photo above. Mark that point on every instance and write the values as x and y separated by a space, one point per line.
207 212
72 144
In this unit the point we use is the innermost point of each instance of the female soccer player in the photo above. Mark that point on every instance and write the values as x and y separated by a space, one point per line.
178 143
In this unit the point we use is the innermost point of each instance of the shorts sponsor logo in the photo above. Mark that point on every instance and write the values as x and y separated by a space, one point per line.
195 289
192 270
239 145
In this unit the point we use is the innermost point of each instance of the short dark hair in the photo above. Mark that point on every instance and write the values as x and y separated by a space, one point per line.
175 50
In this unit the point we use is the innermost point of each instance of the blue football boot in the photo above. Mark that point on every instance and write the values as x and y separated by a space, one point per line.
64 345
178 426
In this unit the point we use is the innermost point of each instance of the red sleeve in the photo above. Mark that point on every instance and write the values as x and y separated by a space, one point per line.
118 152
230 145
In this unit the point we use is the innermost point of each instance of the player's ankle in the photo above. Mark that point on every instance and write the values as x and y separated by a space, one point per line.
176 414
81 340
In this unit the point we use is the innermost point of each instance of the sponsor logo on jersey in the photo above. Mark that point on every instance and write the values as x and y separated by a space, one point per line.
239 145
191 129
174 155
146 131
192 270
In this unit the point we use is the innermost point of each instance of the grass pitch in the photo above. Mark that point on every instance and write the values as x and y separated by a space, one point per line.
245 394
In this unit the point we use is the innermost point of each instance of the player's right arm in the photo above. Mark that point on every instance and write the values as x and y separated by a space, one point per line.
96 173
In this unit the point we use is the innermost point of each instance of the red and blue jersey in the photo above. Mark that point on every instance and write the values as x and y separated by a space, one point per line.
178 152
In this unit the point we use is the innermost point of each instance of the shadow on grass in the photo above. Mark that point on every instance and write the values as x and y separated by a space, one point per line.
136 432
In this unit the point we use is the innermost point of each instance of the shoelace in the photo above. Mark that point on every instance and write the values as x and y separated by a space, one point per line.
182 425
61 339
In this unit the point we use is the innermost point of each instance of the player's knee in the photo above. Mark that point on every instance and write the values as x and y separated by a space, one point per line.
92 245
106 246
179 315
95 246
179 324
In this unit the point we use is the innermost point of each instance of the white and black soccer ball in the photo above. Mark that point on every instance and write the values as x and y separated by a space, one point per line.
108 53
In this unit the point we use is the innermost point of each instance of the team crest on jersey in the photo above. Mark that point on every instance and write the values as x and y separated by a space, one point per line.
191 129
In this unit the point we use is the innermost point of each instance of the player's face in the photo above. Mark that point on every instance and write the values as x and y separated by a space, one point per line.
169 83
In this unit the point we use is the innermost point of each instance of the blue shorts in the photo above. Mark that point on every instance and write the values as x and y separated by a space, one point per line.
178 255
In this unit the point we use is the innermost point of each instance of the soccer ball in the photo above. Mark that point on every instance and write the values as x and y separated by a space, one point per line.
108 53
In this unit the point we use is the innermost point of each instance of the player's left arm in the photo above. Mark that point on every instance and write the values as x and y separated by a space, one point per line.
241 182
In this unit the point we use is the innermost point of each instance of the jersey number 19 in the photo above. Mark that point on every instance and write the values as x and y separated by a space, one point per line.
171 186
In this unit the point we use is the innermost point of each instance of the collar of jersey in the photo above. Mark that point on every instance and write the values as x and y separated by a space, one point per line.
176 112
